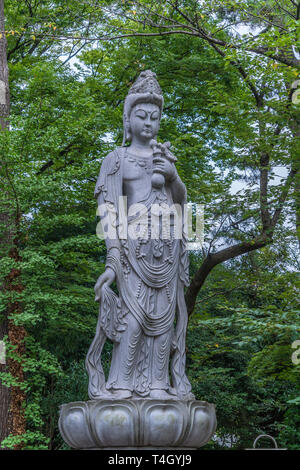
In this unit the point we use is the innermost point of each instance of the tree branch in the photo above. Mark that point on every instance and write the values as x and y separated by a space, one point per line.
214 259
263 195
283 197
237 65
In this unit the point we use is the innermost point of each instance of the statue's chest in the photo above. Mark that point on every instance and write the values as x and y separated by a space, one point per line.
137 168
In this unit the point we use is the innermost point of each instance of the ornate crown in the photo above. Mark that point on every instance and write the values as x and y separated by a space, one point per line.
146 83
144 90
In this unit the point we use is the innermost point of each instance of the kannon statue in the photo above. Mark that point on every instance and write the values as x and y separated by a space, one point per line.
147 318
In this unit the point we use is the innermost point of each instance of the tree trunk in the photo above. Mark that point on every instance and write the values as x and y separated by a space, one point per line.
5 425
4 87
12 419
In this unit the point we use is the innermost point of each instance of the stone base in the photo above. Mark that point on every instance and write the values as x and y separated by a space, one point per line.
137 424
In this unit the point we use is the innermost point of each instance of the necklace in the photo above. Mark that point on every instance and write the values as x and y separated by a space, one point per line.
139 161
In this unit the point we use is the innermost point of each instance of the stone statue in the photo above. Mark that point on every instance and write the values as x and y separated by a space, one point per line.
150 269
146 402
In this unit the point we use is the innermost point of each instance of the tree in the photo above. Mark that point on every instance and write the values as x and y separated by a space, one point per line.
12 399
65 119
239 344
4 217
34 362
213 23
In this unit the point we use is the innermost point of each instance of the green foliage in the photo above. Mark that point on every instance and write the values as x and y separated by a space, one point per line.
239 353
66 116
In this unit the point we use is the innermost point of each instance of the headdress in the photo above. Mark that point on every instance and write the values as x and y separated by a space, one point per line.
144 90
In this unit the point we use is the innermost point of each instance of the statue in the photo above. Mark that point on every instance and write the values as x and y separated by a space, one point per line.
146 401
150 270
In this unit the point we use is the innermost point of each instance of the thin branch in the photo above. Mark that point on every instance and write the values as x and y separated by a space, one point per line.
264 51
184 15
220 292
111 38
73 54
217 232
235 224
283 197
267 21
286 11
176 23
219 257
237 65
45 167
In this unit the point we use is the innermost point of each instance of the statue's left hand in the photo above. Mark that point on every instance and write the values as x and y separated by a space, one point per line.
107 278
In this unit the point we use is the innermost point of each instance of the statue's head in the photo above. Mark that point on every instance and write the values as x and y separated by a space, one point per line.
145 96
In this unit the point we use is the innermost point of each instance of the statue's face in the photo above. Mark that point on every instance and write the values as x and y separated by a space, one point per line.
144 121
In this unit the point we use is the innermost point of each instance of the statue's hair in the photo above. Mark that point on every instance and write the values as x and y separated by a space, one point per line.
145 90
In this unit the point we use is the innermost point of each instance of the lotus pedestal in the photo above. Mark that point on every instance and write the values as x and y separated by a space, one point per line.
137 424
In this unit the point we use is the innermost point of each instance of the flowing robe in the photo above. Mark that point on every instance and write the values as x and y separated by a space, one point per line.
151 274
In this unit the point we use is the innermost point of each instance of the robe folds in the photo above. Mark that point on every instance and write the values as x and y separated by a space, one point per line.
150 274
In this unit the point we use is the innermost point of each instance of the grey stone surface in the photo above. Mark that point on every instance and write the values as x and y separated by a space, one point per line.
150 269
141 423
146 401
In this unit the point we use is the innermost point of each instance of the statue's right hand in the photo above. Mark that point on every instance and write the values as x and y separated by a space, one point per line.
107 278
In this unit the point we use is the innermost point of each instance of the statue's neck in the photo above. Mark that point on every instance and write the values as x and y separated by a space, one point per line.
144 151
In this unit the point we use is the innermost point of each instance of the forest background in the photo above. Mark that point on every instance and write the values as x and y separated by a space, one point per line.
228 71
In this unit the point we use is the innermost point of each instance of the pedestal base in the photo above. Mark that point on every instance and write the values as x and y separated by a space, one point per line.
137 424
